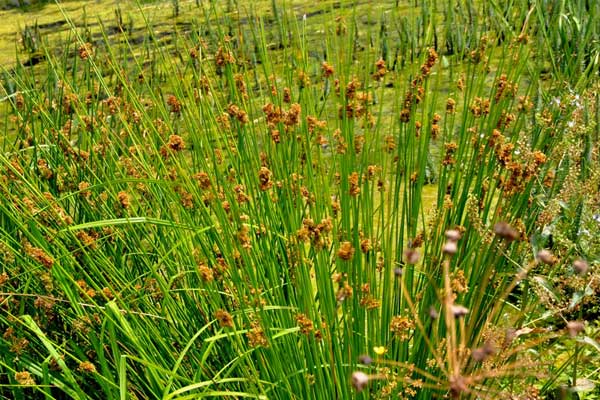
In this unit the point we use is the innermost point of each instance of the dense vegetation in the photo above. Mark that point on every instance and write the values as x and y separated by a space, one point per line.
281 199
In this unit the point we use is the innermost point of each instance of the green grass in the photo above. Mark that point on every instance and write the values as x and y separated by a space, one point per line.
195 206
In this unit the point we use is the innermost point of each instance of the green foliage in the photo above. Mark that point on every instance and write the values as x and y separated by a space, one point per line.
277 201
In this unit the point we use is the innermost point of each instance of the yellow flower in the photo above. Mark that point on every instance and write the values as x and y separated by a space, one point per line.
379 350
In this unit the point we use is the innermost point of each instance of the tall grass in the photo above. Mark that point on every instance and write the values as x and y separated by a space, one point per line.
361 202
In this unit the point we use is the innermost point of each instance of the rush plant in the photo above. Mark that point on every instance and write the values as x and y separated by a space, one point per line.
275 200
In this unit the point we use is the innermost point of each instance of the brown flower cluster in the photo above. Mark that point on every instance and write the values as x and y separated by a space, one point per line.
292 117
459 282
521 173
344 292
273 114
24 378
340 142
354 182
223 57
176 143
203 180
367 300
451 148
224 121
505 88
380 70
314 123
87 367
346 251
264 177
238 113
240 85
287 95
435 127
478 55
327 70
174 104
123 199
450 106
224 318
86 50
256 335
306 325
303 80
401 327
39 255
480 107
432 57
206 273
44 170
356 102
316 233
406 109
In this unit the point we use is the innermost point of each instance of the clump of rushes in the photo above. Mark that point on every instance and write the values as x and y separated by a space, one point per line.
247 205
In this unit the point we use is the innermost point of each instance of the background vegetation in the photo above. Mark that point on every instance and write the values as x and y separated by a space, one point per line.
276 199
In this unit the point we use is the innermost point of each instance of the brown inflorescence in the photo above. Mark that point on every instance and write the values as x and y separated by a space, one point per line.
174 104
203 180
123 199
449 154
256 335
87 367
39 255
380 70
206 273
264 177
346 251
354 182
327 70
86 50
176 143
292 117
344 292
450 106
223 57
236 112
401 327
224 318
303 80
306 325
287 95
432 57
24 378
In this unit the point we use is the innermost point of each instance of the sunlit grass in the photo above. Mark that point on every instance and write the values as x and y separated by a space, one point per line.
366 202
